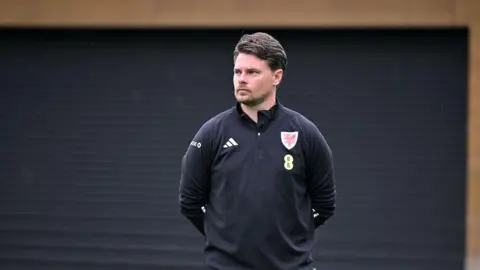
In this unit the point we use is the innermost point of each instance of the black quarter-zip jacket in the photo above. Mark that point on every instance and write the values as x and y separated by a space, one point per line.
258 191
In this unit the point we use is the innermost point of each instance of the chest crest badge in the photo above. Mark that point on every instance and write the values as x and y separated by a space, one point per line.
289 139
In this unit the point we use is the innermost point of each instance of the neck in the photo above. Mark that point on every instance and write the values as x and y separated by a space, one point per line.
252 111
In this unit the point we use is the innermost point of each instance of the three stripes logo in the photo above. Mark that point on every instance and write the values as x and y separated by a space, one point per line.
230 143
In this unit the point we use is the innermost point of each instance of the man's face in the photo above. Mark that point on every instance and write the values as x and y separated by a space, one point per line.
253 79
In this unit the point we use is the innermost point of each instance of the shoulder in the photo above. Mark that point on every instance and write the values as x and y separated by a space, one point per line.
308 130
300 121
210 128
214 122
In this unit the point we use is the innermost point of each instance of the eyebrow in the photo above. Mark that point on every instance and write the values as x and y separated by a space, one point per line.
248 69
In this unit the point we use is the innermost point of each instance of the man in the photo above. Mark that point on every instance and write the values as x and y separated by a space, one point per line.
258 179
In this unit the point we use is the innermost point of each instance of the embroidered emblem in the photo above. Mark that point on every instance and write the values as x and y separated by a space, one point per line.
289 139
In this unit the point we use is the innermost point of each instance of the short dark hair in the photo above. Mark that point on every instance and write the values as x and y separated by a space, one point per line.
265 47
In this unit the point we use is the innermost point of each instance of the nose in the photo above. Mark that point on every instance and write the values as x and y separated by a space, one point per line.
241 78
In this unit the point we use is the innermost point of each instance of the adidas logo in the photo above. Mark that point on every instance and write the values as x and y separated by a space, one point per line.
230 143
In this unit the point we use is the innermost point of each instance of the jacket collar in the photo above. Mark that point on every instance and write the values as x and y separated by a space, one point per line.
269 114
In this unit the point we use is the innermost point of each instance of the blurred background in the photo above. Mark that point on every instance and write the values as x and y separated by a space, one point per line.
100 99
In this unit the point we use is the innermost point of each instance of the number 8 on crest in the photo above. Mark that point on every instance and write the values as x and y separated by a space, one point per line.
288 164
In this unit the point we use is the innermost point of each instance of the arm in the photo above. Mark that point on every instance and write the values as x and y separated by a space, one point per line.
195 177
320 175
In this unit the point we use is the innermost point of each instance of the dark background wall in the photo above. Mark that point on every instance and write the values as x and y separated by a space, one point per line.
94 124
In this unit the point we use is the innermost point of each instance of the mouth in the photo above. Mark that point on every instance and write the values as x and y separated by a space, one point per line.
243 90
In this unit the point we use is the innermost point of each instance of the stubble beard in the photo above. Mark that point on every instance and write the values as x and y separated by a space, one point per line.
252 101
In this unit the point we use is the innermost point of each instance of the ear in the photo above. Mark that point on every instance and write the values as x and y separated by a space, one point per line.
277 76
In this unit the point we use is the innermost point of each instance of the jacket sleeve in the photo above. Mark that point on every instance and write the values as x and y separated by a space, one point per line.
195 177
320 174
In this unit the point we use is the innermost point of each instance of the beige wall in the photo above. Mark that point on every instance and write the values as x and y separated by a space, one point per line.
331 13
